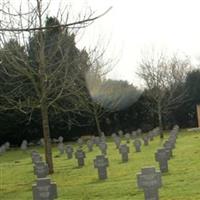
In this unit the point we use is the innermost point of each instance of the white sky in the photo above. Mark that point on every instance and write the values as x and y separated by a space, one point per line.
136 25
133 26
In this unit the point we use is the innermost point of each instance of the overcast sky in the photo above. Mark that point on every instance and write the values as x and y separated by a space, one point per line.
133 26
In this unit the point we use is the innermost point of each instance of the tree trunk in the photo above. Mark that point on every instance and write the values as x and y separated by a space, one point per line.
43 95
47 139
198 115
98 125
160 121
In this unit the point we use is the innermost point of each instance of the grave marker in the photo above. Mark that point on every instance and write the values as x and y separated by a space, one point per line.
80 155
137 143
145 140
124 151
90 145
150 181
127 137
41 170
101 163
69 151
61 148
24 145
44 189
117 141
162 157
103 147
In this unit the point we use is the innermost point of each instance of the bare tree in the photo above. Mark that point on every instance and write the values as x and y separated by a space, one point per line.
164 77
44 82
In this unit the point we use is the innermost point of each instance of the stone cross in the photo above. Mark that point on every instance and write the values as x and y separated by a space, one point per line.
103 139
7 145
120 132
137 143
150 135
80 155
102 134
41 169
170 144
162 157
127 137
124 150
61 148
150 181
2 149
41 142
134 135
44 189
117 141
138 132
60 139
24 145
103 148
97 140
36 157
93 139
69 151
172 139
90 145
169 149
114 135
101 163
146 140
156 131
80 142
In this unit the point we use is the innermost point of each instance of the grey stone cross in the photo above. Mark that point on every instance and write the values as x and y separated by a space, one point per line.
150 181
44 189
117 141
61 148
120 132
127 137
69 151
146 140
60 139
35 157
80 155
103 148
101 163
80 142
134 135
90 145
24 145
137 143
41 170
162 157
124 151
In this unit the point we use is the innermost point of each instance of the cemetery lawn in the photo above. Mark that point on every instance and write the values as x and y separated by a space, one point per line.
181 183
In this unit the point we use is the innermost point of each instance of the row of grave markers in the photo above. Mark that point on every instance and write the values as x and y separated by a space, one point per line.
45 189
101 143
149 180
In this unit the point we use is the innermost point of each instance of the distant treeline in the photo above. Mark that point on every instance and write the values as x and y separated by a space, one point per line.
15 126
78 97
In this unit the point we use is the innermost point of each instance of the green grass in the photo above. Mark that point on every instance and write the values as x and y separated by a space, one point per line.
181 183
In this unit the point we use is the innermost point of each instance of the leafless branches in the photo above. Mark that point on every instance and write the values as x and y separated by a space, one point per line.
163 77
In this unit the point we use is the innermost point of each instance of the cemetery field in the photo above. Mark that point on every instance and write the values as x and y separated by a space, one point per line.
182 182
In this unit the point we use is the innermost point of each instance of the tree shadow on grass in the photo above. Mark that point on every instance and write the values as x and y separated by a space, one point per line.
166 174
77 167
97 181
